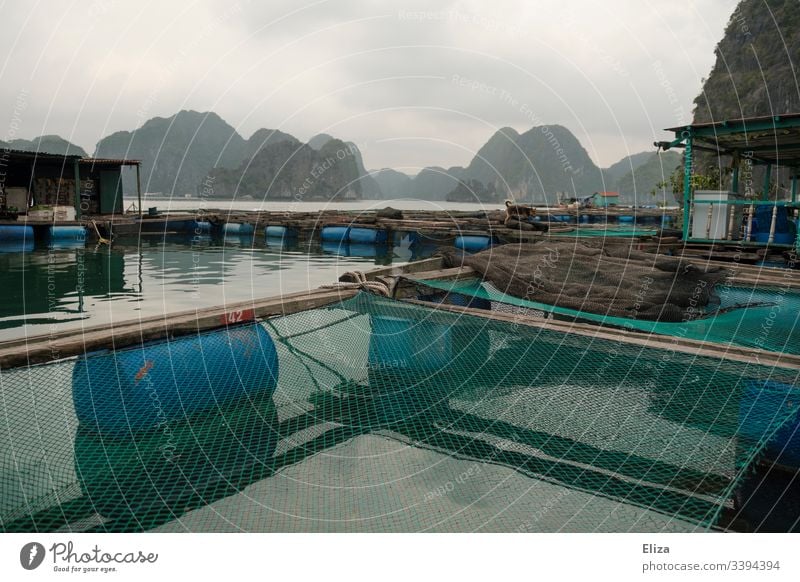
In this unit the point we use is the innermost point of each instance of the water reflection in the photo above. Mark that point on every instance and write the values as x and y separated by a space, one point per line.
143 481
52 288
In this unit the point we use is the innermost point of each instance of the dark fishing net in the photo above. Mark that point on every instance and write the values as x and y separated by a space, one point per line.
611 280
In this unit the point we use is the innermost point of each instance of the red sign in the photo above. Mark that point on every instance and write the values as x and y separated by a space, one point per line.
237 316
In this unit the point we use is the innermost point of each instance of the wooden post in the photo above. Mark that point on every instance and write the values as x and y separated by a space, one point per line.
772 224
139 189
687 183
77 173
730 221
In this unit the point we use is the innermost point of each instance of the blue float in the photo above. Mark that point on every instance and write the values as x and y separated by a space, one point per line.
626 219
201 227
136 389
275 231
237 229
15 232
335 233
473 244
66 233
371 236
763 404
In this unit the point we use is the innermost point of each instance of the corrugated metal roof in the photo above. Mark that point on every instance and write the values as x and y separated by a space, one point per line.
110 162
38 155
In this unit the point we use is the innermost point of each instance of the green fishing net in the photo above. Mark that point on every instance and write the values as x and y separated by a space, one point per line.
386 417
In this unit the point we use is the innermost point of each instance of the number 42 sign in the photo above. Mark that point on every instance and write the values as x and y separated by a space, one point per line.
237 316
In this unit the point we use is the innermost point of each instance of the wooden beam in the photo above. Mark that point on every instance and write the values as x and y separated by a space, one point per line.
641 339
51 347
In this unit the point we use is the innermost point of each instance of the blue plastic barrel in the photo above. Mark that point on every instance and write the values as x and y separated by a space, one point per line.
335 233
584 219
765 403
237 229
201 227
666 221
403 345
626 219
66 233
142 388
15 232
370 236
275 231
473 243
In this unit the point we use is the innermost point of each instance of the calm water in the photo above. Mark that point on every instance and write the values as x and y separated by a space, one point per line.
51 289
401 204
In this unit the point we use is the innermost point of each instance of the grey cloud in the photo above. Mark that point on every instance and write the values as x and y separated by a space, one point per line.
615 73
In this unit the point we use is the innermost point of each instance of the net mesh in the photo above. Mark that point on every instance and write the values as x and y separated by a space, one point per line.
388 416
755 317
594 277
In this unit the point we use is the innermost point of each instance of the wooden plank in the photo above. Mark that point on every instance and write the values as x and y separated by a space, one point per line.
645 340
47 348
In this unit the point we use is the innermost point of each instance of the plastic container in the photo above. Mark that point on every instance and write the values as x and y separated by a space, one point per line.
473 243
15 232
66 233
626 219
237 229
276 231
335 233
136 389
201 227
367 236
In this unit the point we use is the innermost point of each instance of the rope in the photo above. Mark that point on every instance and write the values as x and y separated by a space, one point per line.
100 238
359 281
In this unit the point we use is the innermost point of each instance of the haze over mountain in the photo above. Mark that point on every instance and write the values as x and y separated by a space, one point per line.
187 152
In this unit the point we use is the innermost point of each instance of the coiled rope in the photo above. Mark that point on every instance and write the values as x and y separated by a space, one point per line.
358 280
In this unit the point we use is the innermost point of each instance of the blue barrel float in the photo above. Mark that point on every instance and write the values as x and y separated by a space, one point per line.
136 389
626 219
66 237
15 232
371 236
237 229
335 233
473 244
201 227
276 231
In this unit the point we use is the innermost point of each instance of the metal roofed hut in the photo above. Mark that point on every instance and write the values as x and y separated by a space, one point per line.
710 216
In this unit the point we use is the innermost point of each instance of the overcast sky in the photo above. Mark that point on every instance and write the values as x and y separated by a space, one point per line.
413 83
